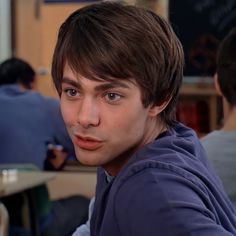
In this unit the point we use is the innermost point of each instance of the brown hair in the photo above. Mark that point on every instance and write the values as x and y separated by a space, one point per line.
110 40
226 67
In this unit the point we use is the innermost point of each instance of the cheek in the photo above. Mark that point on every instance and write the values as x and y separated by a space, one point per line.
68 114
131 121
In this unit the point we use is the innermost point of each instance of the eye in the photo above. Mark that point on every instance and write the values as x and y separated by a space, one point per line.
71 92
113 97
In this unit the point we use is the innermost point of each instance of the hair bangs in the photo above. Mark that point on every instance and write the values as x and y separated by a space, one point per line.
90 54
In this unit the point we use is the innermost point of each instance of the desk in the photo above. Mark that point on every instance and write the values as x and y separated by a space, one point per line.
72 183
24 181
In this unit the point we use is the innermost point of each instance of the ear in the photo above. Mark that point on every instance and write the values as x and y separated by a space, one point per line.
156 110
217 86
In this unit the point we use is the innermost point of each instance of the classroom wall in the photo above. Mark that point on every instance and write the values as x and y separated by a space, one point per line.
36 28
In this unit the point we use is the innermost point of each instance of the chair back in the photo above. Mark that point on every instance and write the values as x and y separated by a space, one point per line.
4 220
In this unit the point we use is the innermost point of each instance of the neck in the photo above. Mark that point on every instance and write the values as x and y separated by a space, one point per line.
22 87
153 129
31 86
230 124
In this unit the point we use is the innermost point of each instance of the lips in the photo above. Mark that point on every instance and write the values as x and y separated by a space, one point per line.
87 143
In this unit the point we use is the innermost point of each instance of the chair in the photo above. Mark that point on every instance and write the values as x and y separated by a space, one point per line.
4 220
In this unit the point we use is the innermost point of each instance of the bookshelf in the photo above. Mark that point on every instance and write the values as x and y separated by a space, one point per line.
200 31
200 107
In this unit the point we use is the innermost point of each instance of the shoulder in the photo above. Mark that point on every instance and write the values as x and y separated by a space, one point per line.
167 201
51 101
160 198
218 139
164 181
214 135
52 104
162 176
218 135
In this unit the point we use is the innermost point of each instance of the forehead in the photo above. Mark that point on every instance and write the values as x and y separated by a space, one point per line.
75 78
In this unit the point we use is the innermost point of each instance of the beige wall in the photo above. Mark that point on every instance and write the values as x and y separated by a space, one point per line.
52 16
159 6
27 32
36 28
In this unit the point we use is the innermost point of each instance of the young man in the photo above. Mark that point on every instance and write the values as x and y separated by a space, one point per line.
220 145
118 70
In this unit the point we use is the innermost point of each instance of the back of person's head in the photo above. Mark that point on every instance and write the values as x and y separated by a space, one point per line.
226 67
15 70
107 41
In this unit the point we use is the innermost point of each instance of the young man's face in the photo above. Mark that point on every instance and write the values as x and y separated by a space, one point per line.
105 120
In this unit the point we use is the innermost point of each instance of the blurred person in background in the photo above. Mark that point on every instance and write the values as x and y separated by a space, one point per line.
220 144
31 126
32 131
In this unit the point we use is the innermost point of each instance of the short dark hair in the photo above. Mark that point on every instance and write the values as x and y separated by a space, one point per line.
226 67
111 40
16 70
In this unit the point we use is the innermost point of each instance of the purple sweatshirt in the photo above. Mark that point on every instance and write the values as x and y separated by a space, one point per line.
168 188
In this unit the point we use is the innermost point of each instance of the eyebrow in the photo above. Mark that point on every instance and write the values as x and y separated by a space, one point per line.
71 82
104 86
110 85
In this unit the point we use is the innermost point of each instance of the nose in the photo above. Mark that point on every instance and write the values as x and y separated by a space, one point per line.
88 114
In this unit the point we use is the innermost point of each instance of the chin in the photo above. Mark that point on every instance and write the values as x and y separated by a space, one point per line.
88 162
88 157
